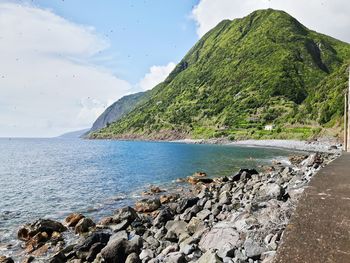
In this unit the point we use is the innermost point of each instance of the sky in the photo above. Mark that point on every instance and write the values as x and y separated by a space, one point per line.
64 61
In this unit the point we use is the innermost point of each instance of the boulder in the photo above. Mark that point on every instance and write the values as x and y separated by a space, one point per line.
73 219
156 190
223 233
97 237
269 191
243 174
4 259
200 174
84 225
125 213
133 258
209 257
146 254
175 257
93 251
186 203
225 198
164 216
26 232
253 249
204 214
164 199
147 205
117 250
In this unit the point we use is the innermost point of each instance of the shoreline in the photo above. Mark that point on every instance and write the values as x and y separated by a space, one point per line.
165 226
295 145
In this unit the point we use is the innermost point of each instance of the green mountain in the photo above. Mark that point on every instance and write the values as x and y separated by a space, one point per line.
263 69
117 110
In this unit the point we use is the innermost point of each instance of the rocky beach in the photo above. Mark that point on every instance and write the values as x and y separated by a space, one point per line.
238 218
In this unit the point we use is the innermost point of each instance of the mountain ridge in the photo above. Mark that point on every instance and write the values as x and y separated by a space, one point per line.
262 69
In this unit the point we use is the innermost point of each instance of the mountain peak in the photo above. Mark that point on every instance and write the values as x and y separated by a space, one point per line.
240 76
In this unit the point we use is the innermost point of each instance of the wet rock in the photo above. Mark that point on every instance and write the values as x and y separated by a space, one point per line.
164 199
73 219
200 174
243 174
125 213
84 225
156 190
48 226
297 159
117 250
147 205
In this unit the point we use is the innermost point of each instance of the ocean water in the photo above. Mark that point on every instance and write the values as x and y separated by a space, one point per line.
50 178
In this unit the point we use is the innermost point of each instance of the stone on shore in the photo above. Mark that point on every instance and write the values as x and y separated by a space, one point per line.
84 225
4 259
73 219
147 205
223 233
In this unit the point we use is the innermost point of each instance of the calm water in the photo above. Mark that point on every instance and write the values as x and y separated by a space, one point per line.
53 177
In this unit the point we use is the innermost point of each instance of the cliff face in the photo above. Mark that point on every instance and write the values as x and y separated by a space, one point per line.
263 69
117 110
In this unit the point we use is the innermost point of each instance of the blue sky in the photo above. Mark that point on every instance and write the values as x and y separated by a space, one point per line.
64 62
141 33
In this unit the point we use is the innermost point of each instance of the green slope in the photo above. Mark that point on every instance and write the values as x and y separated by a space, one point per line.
266 68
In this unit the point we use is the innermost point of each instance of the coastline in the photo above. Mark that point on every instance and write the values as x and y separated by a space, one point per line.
323 146
252 208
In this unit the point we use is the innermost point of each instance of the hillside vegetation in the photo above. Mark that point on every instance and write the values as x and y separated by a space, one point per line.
118 109
263 69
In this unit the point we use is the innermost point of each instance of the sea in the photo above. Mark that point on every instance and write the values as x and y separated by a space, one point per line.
50 178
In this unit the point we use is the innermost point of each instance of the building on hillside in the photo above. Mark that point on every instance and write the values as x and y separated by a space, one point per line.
269 127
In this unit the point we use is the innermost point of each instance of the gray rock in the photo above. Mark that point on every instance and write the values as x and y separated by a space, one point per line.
204 214
209 257
188 249
223 233
170 249
152 242
133 258
146 254
125 213
84 225
175 257
269 191
164 216
253 249
225 198
117 250
93 251
186 203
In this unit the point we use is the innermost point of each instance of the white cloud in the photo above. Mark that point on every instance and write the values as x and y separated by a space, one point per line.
156 75
47 85
326 16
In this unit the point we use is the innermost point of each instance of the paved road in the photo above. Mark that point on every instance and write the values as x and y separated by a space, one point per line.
319 230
